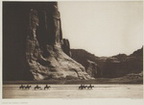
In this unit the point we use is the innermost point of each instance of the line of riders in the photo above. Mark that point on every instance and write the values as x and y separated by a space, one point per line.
27 87
35 88
82 86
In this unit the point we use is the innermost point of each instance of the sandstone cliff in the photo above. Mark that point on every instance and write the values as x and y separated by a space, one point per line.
91 62
112 67
93 69
44 52
121 64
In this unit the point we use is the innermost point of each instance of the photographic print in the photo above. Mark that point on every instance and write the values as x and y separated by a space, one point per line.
75 49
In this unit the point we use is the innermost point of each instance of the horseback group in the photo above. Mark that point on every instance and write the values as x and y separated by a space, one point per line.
35 88
25 87
82 86
38 87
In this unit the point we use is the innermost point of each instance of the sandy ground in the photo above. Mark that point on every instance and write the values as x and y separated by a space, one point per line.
72 91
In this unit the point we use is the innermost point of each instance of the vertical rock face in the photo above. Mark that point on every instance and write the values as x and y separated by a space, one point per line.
66 47
45 53
93 69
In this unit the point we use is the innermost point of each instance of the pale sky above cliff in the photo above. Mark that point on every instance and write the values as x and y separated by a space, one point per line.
103 28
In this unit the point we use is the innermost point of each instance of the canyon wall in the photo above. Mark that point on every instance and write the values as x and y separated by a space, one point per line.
33 46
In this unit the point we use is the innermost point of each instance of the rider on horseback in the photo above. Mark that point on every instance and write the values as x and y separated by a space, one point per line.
28 86
46 87
22 86
90 86
37 87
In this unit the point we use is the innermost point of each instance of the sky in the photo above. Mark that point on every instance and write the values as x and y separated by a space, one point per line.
103 28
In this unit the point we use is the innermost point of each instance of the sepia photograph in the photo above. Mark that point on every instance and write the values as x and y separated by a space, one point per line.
72 49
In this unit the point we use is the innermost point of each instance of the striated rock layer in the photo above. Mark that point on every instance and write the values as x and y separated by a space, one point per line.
46 54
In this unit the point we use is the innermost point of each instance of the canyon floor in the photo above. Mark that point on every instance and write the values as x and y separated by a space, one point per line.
12 91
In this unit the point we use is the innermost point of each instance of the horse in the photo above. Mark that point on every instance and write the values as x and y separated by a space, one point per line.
47 87
28 87
90 86
22 86
37 87
82 87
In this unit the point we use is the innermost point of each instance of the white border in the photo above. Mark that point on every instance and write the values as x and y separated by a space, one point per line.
54 101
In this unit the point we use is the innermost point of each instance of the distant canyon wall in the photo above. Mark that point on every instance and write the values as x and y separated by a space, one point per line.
110 67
